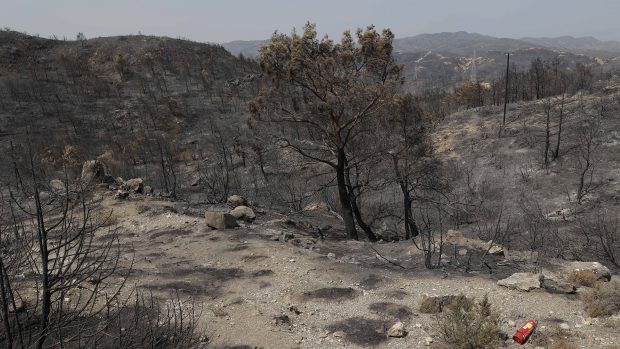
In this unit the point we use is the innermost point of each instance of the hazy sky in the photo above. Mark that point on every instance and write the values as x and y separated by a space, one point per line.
226 20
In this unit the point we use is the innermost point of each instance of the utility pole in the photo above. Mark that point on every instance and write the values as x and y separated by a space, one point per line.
474 73
506 92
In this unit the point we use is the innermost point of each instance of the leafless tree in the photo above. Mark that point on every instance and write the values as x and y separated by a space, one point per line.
603 231
588 144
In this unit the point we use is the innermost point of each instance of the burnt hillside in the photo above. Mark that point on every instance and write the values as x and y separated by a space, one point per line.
120 95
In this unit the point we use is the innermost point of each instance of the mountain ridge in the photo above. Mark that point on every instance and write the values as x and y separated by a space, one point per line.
463 42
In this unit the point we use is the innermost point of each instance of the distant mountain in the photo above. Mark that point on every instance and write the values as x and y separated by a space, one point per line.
442 60
459 43
586 44
248 48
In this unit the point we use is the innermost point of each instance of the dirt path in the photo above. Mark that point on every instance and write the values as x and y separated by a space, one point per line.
257 292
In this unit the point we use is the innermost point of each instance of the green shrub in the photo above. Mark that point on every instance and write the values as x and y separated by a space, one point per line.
467 324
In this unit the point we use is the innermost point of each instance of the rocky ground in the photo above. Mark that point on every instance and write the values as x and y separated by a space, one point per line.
274 283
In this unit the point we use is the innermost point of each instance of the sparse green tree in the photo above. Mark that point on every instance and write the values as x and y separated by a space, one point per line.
322 93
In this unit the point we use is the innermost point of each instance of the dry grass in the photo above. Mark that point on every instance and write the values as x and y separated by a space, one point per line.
434 305
429 305
112 219
467 324
583 278
604 300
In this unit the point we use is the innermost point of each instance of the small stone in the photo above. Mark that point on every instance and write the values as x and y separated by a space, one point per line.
339 334
495 250
564 326
121 194
463 252
281 320
397 330
418 325
331 255
428 341
511 323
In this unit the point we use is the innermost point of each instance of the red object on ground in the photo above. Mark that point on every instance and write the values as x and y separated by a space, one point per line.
525 332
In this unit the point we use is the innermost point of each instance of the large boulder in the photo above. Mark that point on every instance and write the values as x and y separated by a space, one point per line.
94 170
522 281
596 268
244 213
220 220
134 185
555 283
236 200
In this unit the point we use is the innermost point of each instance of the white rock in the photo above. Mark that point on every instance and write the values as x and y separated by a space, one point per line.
397 330
339 334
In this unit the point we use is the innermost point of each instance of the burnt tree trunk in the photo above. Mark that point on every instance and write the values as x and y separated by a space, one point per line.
343 195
